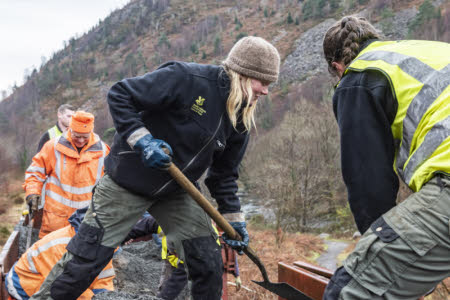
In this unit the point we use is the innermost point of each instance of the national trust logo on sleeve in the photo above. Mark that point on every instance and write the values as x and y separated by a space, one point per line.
197 106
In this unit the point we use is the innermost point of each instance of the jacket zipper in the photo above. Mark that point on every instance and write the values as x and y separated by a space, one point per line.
194 158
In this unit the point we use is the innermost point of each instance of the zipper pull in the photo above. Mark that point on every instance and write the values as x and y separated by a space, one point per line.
220 144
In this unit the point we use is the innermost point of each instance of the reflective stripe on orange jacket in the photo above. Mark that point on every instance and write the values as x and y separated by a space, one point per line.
29 272
65 178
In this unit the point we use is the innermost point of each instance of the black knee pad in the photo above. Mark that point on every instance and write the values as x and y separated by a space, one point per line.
337 282
89 259
203 259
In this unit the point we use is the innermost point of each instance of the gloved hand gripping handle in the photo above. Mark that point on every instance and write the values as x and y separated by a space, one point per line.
187 185
282 289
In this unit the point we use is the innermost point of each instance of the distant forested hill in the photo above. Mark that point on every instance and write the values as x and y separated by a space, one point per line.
295 119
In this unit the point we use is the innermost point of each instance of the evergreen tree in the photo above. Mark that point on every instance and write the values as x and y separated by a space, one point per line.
289 19
426 13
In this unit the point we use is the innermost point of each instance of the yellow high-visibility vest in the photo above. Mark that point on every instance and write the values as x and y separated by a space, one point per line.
172 258
419 75
54 132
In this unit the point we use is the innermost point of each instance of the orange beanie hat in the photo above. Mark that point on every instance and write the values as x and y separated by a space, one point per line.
82 122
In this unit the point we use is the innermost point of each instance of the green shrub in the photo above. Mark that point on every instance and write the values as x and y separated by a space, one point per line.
194 48
18 200
4 234
289 19
426 13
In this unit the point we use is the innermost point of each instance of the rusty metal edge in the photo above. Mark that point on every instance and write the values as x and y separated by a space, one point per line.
11 246
9 256
10 249
3 292
314 269
307 282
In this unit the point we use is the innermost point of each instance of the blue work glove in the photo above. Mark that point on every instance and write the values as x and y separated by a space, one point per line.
239 246
152 152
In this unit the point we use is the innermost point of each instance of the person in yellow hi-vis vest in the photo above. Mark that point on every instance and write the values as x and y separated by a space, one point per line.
392 105
173 274
64 114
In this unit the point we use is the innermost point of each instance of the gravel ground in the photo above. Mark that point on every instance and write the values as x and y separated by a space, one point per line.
23 235
122 296
138 268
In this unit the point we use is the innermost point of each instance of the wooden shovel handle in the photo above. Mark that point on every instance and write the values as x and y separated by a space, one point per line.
187 185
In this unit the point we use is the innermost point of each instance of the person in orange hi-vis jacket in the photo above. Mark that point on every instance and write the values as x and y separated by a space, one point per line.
65 171
28 273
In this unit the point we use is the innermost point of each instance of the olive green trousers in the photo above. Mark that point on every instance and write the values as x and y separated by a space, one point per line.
117 210
406 253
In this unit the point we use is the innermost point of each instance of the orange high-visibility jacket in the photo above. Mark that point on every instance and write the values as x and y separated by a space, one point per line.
29 272
64 178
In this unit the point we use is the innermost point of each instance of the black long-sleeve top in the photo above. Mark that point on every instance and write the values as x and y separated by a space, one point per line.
183 104
365 108
45 138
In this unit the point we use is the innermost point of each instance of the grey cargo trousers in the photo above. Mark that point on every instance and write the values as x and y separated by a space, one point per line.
188 229
404 254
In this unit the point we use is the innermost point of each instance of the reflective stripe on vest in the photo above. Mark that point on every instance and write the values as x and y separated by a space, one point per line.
40 249
172 258
54 132
419 75
13 286
106 273
68 188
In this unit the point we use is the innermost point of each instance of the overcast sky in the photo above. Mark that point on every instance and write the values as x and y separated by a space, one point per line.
31 29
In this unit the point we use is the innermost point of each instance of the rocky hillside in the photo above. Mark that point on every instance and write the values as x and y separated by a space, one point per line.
145 33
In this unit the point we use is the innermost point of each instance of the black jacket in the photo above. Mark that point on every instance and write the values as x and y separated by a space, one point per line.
45 138
365 109
168 102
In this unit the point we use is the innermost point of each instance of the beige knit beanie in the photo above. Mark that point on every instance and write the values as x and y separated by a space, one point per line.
254 57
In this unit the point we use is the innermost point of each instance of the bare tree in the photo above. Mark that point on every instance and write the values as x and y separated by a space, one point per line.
295 168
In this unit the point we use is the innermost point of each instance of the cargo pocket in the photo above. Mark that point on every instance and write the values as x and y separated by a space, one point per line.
86 242
52 221
391 253
383 231
417 238
88 259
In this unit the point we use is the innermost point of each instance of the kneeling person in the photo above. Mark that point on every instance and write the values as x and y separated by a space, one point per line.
29 272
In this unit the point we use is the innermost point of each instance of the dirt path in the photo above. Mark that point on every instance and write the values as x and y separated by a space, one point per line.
328 259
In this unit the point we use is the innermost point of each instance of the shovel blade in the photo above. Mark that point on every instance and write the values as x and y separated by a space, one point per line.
283 290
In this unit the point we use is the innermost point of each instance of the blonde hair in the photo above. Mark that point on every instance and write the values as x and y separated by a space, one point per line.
343 40
239 106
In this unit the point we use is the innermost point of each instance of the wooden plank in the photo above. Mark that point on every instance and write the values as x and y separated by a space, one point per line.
309 283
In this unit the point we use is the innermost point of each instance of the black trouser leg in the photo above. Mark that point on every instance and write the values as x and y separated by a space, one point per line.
89 259
203 259
174 284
